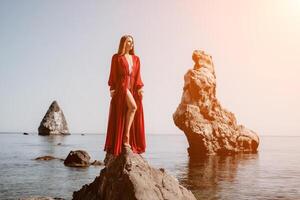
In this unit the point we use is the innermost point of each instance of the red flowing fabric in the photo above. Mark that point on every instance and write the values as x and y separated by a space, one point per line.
120 81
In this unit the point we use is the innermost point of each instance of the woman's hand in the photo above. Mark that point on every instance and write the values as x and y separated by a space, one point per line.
140 92
112 92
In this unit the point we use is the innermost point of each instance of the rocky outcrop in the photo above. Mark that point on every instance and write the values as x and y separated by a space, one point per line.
209 128
78 158
54 121
129 177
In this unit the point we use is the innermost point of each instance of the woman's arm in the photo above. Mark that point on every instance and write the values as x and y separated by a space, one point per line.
113 75
139 82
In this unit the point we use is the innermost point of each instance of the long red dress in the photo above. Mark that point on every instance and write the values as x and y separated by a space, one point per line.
119 81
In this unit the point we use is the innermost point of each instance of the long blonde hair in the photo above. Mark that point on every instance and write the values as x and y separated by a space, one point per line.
123 39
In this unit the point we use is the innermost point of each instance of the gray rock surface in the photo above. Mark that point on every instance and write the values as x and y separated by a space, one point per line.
209 128
130 177
54 121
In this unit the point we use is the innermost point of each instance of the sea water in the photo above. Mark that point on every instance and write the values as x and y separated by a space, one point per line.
272 173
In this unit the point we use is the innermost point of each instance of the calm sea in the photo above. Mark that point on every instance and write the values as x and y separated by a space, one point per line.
273 173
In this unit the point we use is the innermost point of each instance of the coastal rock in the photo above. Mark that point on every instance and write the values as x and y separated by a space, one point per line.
209 128
48 158
78 158
129 176
54 122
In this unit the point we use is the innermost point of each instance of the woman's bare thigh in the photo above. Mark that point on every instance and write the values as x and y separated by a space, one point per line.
130 100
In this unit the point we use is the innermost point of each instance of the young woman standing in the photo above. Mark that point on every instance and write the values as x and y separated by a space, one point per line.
126 117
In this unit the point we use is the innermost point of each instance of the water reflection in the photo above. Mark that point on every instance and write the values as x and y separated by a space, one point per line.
50 144
54 139
205 176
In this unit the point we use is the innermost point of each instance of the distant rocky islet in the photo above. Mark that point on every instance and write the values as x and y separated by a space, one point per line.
54 122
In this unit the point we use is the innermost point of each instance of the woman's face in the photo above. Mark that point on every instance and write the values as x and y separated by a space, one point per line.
129 44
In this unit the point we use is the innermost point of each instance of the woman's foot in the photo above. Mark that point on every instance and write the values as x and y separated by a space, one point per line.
126 145
126 141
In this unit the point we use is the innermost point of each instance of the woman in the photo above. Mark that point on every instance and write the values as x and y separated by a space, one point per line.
126 117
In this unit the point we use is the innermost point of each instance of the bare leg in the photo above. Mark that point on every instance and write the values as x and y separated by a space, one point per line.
132 107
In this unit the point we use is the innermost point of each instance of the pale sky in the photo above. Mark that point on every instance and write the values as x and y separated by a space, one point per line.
61 50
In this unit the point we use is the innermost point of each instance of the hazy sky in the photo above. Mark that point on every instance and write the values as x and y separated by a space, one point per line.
61 50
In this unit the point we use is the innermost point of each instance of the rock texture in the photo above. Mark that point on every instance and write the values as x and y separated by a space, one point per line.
78 158
54 121
41 198
129 177
209 128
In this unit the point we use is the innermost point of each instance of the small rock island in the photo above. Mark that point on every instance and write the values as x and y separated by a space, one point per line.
209 128
54 122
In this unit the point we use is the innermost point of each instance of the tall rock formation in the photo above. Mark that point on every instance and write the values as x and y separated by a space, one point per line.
54 122
209 128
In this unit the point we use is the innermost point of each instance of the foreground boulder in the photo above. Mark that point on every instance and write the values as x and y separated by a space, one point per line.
54 121
209 128
130 177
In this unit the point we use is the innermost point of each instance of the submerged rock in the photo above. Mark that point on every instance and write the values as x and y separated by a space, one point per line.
48 158
129 177
209 128
54 122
